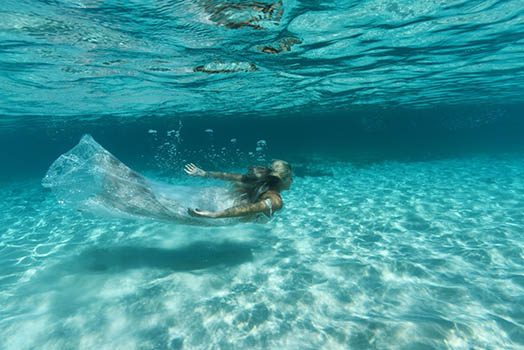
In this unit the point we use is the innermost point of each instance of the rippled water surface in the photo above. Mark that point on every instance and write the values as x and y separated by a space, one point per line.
95 57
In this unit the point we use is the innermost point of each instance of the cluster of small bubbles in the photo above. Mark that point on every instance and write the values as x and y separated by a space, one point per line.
221 156
176 132
211 154
168 155
152 133
260 151
261 144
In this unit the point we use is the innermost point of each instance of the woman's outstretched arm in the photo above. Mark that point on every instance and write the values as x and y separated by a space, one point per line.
193 170
262 206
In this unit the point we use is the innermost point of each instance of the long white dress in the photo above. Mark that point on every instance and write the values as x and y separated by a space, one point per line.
91 179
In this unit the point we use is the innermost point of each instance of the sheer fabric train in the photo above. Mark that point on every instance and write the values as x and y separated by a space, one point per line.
91 179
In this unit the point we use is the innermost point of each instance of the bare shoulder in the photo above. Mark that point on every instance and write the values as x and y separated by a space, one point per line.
274 197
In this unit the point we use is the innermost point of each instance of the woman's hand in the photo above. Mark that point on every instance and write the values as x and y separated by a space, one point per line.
200 213
193 170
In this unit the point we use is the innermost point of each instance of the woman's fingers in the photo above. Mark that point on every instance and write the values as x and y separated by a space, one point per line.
191 169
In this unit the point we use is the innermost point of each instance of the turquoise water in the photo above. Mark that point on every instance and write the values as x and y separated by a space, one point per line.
95 57
403 121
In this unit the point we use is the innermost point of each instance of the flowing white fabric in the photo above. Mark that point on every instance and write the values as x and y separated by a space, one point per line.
91 179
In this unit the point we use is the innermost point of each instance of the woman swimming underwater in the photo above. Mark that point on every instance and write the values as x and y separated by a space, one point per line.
90 179
259 189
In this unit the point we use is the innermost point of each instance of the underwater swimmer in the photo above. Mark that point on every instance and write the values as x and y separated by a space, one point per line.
258 191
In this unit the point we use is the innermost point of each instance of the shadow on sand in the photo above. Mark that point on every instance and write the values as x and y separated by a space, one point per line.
196 256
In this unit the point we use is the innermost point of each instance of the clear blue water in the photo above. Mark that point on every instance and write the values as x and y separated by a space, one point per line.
403 121
86 58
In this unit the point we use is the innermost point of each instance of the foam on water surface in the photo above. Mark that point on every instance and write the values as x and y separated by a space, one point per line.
390 255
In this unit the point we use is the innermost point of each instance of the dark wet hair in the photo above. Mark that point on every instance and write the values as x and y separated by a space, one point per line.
257 181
